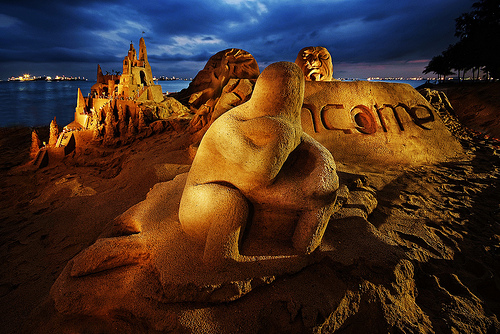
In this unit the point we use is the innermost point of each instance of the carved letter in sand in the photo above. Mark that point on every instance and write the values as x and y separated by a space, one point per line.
316 63
257 170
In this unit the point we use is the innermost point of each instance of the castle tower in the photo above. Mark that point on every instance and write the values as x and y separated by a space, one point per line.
143 55
132 55
100 76
80 102
127 63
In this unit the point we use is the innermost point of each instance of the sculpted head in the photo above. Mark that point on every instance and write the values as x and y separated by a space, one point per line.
316 63
224 65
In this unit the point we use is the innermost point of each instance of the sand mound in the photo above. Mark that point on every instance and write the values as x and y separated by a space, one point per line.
477 105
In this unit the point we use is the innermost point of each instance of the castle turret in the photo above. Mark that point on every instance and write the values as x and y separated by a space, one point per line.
80 102
53 133
132 55
100 76
126 65
143 55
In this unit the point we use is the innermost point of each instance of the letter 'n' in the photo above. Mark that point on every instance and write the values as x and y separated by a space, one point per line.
313 113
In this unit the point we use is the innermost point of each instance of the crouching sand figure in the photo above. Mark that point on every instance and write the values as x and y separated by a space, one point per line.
256 169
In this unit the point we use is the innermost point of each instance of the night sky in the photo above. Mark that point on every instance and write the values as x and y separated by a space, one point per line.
365 37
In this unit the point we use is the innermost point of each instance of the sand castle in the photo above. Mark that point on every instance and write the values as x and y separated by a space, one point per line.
118 108
134 85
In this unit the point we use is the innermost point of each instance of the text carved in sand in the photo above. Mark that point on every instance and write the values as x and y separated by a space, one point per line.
333 116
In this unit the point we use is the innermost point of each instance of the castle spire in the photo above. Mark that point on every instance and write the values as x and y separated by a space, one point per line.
100 77
80 102
143 55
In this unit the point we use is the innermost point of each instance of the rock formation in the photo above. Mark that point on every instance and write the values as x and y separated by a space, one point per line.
209 84
316 63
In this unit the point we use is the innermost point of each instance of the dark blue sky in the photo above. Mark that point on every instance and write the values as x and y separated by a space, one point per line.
365 37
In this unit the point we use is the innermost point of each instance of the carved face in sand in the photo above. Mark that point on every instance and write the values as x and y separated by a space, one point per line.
224 65
207 87
316 63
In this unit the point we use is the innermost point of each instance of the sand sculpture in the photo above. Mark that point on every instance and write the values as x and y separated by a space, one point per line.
54 133
226 81
35 144
135 81
119 108
253 210
131 96
376 122
127 91
264 170
269 179
316 63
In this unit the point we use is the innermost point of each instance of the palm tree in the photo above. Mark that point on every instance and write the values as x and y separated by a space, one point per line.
479 30
438 65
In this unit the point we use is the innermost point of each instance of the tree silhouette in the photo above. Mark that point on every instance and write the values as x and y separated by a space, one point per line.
440 66
479 33
460 57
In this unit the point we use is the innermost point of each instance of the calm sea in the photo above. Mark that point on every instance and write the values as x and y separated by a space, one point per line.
36 103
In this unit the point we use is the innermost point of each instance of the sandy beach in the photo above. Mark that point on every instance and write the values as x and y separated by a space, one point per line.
425 259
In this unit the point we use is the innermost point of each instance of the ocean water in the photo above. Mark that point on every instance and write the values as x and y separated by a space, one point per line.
36 103
413 83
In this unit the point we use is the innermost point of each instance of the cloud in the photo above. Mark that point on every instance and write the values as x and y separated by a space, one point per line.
7 21
189 45
188 32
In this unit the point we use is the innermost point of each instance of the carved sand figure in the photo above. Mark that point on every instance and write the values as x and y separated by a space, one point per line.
206 88
35 144
256 177
316 63
256 166
54 133
254 205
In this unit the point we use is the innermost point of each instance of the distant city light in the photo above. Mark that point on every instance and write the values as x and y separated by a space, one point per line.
29 77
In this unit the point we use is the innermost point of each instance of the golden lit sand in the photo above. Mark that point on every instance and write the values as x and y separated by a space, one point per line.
411 250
